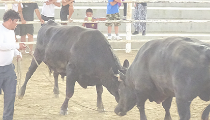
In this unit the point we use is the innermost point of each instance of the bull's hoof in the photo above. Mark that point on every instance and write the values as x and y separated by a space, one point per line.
56 95
21 93
100 109
63 112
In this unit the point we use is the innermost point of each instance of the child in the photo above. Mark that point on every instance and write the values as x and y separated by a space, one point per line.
113 14
89 17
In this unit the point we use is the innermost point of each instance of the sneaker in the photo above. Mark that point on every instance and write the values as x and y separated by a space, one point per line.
117 38
135 33
109 38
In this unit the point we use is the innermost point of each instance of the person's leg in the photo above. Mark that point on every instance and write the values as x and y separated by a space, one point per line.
109 25
116 26
144 15
23 32
1 78
71 10
63 17
136 17
30 30
9 88
17 32
30 39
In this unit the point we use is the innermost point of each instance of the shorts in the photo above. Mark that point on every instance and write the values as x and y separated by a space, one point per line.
115 16
65 11
63 15
26 29
47 18
17 30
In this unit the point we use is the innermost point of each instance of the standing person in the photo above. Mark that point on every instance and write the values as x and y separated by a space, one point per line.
89 17
66 9
8 49
140 13
48 9
113 14
15 8
26 11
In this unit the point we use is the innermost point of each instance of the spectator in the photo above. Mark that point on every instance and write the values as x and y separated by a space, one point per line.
8 49
26 11
89 17
15 8
48 9
113 14
140 13
66 9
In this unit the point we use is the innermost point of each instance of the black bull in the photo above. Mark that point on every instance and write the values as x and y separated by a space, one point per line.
163 69
80 54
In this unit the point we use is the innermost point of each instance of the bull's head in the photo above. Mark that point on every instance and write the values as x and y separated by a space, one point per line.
117 79
127 96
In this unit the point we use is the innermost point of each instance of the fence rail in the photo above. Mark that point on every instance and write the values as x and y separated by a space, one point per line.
105 1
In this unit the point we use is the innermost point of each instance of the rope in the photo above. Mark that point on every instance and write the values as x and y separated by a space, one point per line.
19 73
59 90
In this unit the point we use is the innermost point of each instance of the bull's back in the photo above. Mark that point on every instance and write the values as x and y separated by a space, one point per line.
58 49
171 64
92 52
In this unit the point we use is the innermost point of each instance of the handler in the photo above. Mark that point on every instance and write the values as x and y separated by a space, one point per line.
9 49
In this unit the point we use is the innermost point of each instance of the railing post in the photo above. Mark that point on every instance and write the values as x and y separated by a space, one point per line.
128 28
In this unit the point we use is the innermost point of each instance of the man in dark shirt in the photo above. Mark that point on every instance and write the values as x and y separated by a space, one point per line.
26 11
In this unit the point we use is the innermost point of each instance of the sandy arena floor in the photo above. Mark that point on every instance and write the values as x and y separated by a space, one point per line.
39 102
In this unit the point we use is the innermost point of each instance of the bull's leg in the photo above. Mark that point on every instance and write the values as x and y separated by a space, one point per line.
56 89
141 98
167 105
183 108
30 72
100 106
71 78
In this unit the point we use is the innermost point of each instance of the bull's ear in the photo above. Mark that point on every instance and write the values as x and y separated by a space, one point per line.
126 63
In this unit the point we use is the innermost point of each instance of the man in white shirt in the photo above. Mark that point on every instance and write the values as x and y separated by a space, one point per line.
9 49
48 9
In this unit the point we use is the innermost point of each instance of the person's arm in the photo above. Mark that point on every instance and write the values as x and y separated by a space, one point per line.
39 15
66 2
56 3
21 14
119 1
113 3
101 19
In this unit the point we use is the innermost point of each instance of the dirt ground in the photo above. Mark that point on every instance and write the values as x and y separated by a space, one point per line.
39 102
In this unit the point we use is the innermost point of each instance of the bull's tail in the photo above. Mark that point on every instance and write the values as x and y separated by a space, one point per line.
205 114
